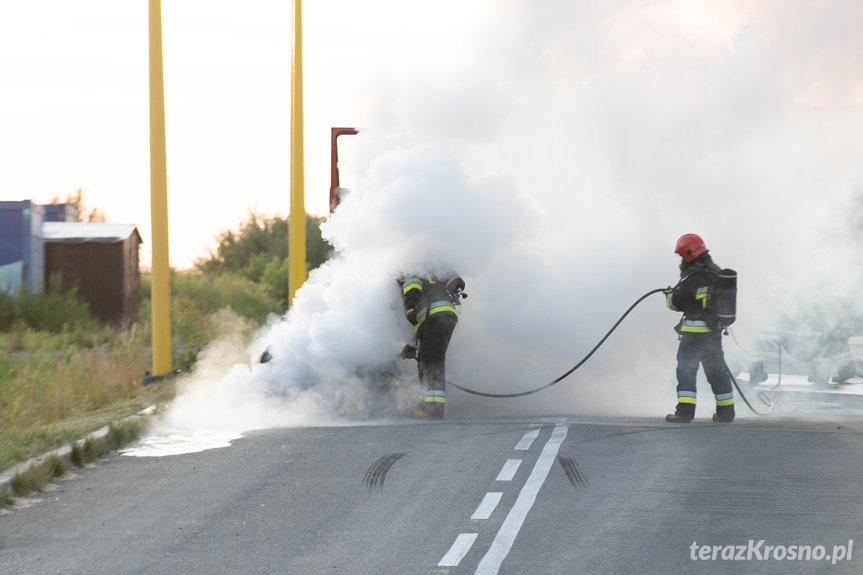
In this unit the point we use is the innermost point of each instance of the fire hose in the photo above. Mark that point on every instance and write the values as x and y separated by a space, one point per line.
565 375
589 354
765 396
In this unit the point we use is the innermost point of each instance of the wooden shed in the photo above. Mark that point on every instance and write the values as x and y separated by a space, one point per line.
101 259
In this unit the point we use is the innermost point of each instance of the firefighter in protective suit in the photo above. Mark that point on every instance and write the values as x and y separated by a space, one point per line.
700 336
430 302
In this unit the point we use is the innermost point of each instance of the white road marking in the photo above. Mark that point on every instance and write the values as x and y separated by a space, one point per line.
509 469
529 437
488 505
459 549
503 541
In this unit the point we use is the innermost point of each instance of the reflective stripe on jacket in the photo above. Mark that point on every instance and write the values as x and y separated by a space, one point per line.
691 296
429 295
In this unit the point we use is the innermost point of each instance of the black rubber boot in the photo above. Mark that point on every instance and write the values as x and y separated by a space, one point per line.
724 414
425 410
682 414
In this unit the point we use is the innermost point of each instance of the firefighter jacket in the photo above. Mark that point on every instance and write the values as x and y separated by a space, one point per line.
692 295
428 295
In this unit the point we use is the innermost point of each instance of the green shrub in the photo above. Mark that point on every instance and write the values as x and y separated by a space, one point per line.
275 280
53 311
196 297
8 312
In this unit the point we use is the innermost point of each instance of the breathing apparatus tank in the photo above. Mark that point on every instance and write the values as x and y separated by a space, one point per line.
725 297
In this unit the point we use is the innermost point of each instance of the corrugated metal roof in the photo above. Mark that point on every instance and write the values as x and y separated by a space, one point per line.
80 232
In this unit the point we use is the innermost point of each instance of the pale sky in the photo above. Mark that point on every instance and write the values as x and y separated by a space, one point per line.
669 109
74 102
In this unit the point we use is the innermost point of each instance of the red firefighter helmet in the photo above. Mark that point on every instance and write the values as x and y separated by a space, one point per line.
690 246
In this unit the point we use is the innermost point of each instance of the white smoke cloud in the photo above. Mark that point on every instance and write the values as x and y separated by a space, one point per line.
553 162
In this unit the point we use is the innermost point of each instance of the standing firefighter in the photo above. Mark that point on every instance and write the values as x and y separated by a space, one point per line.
700 330
431 302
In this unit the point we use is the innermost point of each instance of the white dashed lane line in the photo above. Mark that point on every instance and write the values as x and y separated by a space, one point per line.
503 541
529 437
488 505
509 469
459 549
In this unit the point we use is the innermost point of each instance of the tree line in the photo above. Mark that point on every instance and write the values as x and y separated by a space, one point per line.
258 252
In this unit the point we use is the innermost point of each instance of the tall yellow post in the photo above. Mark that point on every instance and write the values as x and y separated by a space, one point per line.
297 220
161 278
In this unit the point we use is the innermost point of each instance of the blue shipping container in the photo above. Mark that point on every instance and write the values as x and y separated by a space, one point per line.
21 244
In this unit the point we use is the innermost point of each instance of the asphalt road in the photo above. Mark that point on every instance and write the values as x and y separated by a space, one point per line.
533 496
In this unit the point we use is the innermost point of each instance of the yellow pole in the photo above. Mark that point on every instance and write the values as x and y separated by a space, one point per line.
297 220
161 279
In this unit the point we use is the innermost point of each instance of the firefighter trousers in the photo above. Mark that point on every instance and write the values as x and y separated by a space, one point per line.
432 343
702 349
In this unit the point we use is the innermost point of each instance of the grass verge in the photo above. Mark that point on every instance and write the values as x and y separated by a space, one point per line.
51 397
38 475
19 444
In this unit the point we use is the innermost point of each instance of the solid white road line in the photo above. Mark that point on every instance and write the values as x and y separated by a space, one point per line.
509 469
529 437
488 505
459 549
503 541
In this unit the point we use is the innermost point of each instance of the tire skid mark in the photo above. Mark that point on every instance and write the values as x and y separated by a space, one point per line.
377 473
573 473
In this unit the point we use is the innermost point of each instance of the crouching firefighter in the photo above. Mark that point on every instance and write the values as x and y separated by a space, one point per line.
706 296
431 305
